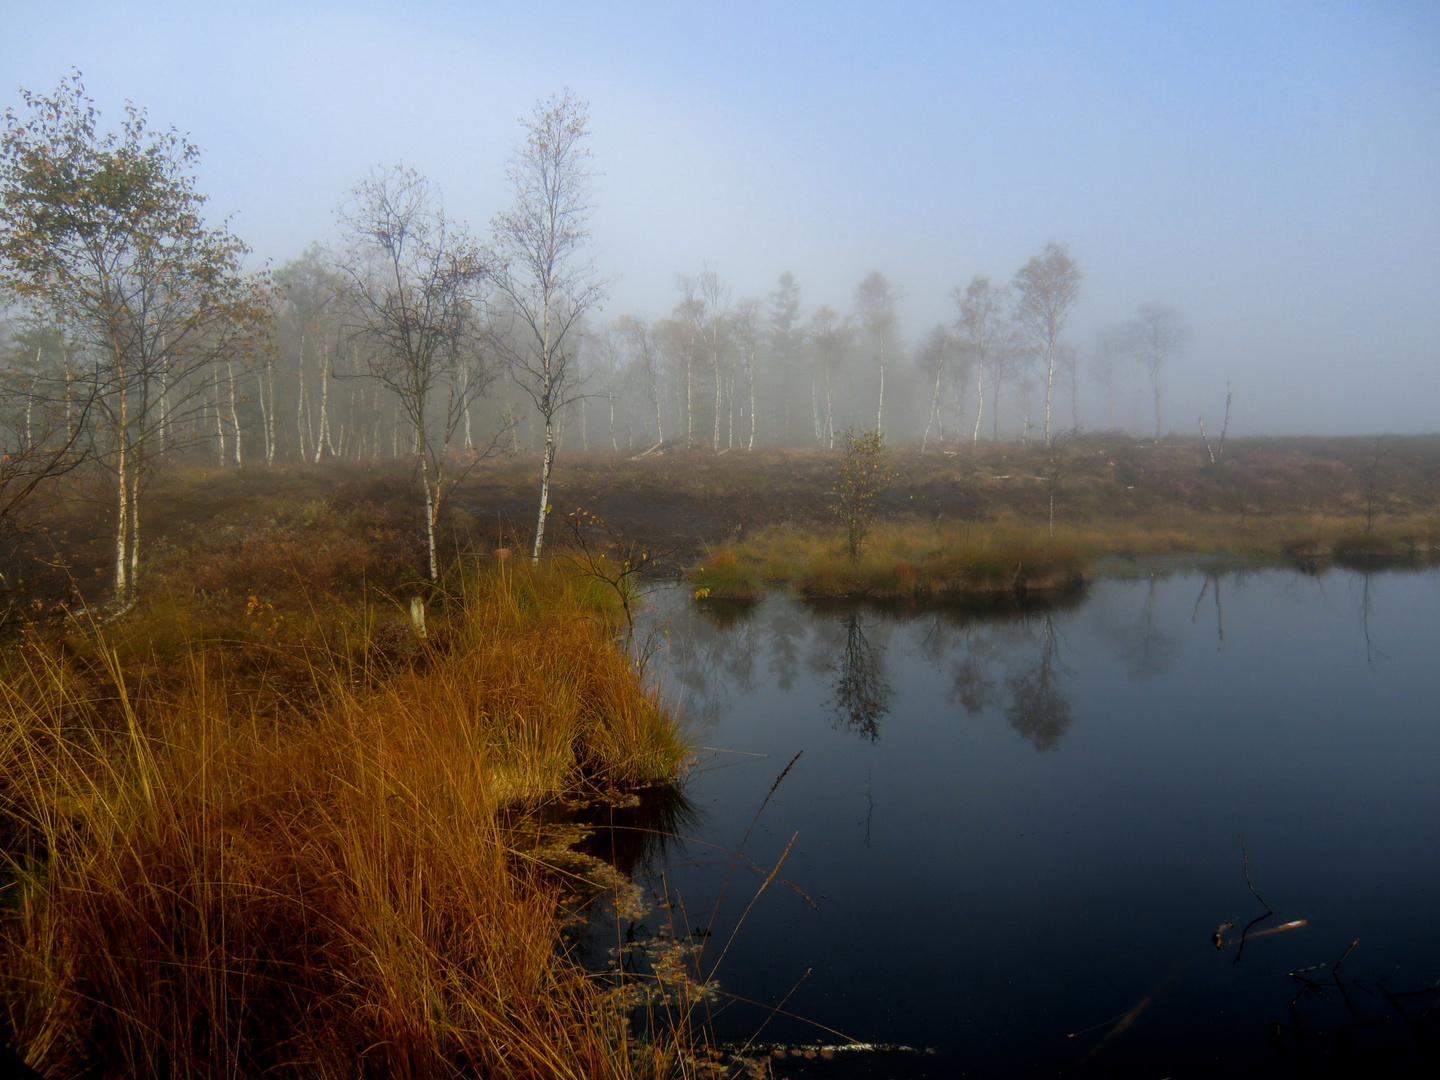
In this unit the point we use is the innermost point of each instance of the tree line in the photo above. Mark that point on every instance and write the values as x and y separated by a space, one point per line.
132 332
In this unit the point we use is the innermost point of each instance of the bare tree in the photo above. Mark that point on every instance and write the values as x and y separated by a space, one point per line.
644 364
1110 349
981 324
310 319
715 333
746 326
605 356
545 282
828 339
875 313
787 344
415 279
1047 288
935 358
1217 452
686 330
1153 337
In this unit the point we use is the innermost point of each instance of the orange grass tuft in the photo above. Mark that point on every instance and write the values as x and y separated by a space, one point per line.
334 886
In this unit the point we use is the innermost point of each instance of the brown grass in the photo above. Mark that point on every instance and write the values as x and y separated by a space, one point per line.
917 559
898 561
336 878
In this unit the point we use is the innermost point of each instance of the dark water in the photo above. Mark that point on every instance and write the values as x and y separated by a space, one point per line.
1016 832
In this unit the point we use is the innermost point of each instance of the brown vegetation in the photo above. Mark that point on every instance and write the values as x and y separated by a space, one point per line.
1308 501
1262 487
306 843
264 794
974 520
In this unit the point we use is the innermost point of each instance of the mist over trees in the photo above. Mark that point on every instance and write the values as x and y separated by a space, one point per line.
130 331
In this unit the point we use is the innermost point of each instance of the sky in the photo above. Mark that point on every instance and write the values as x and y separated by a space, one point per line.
1272 170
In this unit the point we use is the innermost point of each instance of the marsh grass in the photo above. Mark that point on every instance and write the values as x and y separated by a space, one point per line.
919 559
898 561
331 871
730 574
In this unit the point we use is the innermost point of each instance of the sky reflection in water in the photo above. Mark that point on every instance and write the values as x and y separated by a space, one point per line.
1019 826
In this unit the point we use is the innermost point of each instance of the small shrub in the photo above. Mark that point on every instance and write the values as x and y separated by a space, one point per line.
861 475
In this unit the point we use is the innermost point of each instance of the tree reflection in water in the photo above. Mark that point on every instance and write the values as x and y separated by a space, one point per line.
1002 660
1039 709
860 695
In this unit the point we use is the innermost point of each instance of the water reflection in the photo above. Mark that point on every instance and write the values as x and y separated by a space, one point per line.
1069 783
860 694
1211 585
1039 709
1000 656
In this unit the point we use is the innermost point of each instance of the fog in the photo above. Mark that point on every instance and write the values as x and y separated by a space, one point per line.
1267 171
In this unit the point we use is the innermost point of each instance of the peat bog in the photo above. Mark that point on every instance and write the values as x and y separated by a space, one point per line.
275 653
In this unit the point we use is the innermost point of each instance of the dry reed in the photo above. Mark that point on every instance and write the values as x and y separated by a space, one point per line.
329 882
918 558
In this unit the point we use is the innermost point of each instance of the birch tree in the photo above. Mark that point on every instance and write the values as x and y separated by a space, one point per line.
746 327
787 348
935 359
828 339
415 278
311 315
542 276
1109 349
685 332
715 333
875 314
1047 289
103 232
982 327
1153 338
644 365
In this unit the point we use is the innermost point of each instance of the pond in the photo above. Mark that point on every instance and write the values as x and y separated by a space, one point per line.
1011 837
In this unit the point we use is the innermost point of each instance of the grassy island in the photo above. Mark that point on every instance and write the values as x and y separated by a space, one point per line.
975 520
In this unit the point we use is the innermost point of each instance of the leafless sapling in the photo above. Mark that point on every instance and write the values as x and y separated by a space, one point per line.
542 277
415 279
1154 337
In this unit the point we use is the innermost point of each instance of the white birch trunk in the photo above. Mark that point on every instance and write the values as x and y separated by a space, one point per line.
300 402
880 413
219 423
934 405
260 397
1049 383
234 412
751 375
979 400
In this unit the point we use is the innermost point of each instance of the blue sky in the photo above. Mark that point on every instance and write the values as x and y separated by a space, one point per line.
1271 169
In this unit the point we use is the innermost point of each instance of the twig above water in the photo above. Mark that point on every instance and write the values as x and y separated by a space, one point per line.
1245 934
1245 860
